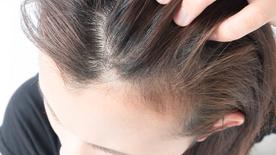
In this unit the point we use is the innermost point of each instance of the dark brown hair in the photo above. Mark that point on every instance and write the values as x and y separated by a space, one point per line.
176 70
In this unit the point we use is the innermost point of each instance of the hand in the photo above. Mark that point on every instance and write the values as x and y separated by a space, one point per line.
250 18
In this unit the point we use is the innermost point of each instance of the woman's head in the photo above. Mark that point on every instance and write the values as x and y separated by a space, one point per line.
122 75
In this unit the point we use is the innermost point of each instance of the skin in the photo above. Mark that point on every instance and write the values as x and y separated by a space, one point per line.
104 115
250 18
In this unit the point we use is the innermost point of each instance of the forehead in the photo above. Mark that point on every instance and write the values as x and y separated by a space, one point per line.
101 108
111 90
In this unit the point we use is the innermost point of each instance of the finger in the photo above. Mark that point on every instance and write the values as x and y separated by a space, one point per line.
189 10
247 20
163 1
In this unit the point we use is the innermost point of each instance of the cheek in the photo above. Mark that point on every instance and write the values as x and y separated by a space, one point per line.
70 145
55 126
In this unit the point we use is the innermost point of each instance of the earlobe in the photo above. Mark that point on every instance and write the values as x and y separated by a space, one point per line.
228 121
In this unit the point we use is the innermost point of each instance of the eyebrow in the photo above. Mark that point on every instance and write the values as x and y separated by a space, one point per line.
104 149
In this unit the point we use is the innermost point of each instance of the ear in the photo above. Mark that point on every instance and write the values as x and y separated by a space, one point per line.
230 120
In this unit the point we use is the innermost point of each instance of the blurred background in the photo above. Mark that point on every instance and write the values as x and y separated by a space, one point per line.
18 62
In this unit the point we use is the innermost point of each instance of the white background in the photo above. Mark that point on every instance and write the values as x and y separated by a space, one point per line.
18 56
18 62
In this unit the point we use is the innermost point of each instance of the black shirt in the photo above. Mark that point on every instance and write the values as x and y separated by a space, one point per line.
26 129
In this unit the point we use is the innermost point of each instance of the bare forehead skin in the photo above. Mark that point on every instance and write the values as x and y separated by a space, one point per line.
111 84
123 92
